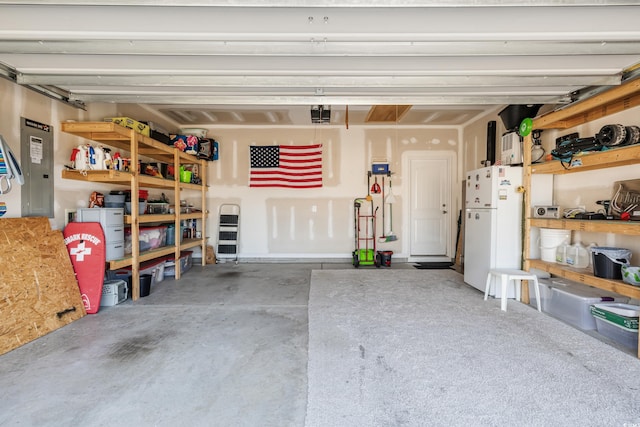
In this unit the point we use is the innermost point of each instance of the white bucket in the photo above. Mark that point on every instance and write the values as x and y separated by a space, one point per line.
550 239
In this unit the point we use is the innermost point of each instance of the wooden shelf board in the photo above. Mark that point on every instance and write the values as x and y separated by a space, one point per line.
188 186
147 218
119 136
186 158
105 176
192 215
591 161
155 182
596 226
156 253
614 100
117 264
117 177
586 276
190 243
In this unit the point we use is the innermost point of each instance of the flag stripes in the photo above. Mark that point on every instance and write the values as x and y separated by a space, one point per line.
286 166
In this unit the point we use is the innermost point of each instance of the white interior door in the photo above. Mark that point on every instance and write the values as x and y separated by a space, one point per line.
430 213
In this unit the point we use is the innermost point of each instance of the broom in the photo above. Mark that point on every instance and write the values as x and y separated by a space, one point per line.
390 199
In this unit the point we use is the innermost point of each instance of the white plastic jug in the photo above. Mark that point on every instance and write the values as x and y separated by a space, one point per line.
561 253
81 158
577 256
589 250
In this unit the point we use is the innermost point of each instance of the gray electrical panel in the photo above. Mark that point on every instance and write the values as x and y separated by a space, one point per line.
36 158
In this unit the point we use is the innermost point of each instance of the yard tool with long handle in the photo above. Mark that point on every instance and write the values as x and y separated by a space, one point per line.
390 200
383 238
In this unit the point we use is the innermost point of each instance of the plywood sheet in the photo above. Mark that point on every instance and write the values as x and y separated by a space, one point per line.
387 113
38 288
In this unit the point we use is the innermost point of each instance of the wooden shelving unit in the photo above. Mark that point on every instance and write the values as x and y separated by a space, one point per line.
612 101
137 145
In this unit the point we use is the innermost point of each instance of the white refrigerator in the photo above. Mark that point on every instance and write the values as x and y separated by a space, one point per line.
493 224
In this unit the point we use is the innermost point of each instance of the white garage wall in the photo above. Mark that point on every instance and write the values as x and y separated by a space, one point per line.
276 223
316 223
18 102
280 223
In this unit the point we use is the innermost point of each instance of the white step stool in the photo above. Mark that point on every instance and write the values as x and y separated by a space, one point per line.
506 275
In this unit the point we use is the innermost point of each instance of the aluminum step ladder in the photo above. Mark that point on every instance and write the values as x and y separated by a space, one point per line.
228 233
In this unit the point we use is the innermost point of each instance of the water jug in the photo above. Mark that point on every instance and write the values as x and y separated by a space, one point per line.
589 251
577 256
561 253
81 160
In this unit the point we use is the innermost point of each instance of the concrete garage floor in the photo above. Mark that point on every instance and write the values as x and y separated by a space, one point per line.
224 346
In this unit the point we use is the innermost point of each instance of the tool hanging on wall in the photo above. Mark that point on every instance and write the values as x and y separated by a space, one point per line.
390 200
375 188
369 198
383 238
9 168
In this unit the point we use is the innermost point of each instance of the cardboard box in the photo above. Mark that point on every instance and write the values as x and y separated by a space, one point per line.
131 124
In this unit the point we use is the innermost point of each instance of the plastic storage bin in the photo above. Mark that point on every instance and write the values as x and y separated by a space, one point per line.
186 261
142 208
157 208
114 201
607 261
571 302
618 322
150 238
546 292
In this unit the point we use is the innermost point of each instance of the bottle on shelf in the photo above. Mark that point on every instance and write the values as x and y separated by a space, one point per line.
577 256
590 252
561 252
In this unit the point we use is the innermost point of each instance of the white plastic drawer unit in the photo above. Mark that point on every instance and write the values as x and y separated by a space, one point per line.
105 216
113 233
115 250
112 222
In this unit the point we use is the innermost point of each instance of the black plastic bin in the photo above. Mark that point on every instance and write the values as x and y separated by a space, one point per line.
608 261
145 284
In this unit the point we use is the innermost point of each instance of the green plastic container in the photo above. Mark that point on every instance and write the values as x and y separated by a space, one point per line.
367 257
624 315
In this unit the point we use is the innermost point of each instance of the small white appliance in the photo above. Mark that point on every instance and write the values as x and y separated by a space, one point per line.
493 224
546 212
511 149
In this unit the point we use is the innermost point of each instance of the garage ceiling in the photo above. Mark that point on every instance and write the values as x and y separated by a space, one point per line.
266 62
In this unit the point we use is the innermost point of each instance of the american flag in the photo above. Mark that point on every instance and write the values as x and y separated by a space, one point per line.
287 166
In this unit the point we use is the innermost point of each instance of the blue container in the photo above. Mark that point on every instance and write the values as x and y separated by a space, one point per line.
380 168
